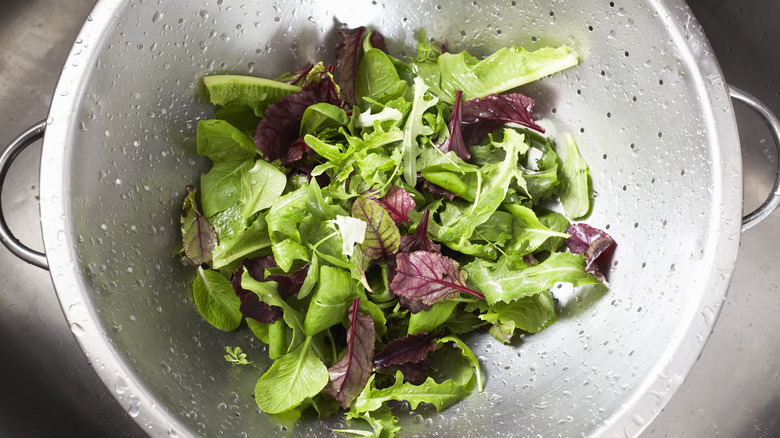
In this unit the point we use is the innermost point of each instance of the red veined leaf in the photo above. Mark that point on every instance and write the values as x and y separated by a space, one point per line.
429 277
346 60
455 142
419 241
409 349
377 41
382 235
199 238
278 131
597 246
482 116
398 203
349 375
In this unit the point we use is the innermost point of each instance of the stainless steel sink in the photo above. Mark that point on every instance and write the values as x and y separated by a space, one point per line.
49 389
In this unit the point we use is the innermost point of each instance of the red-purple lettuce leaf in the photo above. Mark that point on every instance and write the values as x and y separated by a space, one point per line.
419 241
429 277
377 41
409 349
414 372
455 142
277 133
482 116
597 246
349 375
251 306
382 235
199 238
398 203
347 50
288 285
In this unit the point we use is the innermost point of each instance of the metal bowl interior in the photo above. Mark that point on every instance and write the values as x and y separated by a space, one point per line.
647 107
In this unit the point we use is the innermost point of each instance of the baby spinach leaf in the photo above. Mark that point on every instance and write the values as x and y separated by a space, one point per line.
350 374
431 319
334 292
287 211
377 78
219 140
322 116
290 380
221 186
429 277
260 186
241 245
575 186
216 300
199 238
273 334
382 235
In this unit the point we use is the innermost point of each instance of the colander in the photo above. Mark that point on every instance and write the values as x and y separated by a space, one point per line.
647 105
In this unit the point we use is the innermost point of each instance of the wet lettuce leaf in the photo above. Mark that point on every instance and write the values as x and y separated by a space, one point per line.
256 93
350 374
575 182
216 300
199 238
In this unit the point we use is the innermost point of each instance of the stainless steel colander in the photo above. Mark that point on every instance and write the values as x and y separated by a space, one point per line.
647 107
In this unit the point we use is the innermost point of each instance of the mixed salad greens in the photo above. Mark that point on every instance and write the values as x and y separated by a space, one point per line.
361 216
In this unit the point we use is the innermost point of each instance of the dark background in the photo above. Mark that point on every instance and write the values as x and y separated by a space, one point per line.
47 387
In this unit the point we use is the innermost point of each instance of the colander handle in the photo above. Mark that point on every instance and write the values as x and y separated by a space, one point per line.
17 145
773 200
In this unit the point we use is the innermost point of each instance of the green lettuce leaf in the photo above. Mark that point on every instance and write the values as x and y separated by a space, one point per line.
504 70
334 293
440 395
575 187
292 378
219 140
415 127
256 93
377 78
500 282
260 186
216 300
220 187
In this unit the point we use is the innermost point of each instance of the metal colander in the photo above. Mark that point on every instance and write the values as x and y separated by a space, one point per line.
647 107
